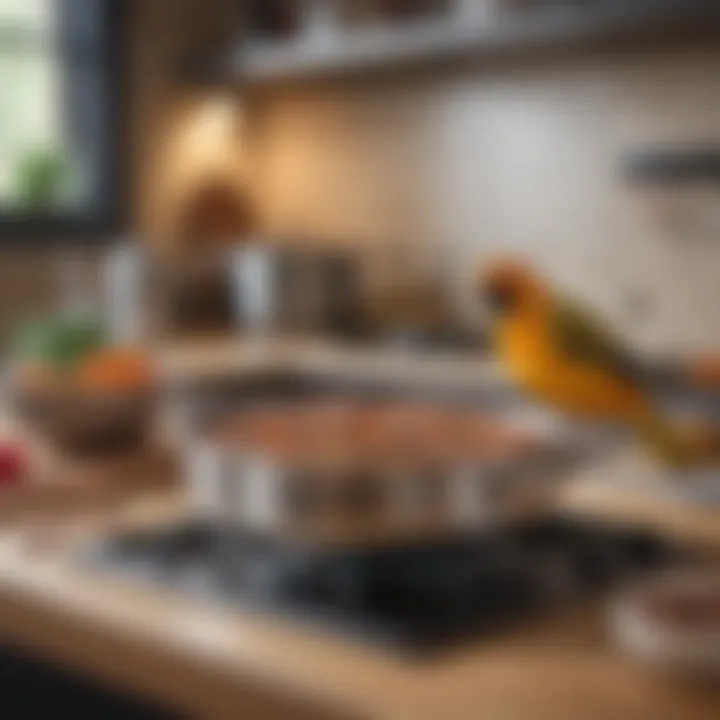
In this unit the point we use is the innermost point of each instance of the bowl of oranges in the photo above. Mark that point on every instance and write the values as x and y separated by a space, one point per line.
80 394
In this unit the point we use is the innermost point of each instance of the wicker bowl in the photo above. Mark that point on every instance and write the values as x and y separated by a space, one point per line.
87 423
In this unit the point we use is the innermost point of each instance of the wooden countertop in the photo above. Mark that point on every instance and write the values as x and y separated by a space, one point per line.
228 662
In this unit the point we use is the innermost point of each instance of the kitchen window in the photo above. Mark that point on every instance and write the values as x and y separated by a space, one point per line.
60 139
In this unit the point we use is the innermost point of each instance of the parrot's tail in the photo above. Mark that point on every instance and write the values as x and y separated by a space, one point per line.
662 437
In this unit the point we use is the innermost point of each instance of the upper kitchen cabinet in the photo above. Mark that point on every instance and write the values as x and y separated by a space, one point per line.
294 39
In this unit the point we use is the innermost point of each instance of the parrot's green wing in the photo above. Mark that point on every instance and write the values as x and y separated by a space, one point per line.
579 335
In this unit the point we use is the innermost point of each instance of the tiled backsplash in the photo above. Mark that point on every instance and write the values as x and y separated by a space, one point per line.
521 156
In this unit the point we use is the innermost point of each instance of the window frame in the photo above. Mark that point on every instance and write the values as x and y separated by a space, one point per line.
87 225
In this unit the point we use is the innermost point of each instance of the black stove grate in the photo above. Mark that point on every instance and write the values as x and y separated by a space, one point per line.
419 596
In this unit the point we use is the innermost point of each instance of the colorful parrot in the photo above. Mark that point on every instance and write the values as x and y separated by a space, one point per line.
558 352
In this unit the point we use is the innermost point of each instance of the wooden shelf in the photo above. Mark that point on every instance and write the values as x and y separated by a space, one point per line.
460 34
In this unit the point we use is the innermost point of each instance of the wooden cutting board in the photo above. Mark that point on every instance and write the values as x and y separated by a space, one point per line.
56 484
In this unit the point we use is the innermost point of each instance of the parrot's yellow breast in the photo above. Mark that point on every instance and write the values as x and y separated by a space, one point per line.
542 370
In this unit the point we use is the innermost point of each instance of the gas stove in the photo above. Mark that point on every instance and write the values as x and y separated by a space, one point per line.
420 596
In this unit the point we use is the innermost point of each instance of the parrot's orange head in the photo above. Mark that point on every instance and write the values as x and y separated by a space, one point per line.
508 284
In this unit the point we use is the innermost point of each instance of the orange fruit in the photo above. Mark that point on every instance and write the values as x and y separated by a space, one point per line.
116 370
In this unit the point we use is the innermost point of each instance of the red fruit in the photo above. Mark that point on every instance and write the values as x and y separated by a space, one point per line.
12 465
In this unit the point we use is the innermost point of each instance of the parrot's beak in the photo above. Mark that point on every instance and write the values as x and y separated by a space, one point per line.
503 285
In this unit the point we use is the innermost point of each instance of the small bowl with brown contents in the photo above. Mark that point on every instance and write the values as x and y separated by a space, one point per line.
105 405
672 621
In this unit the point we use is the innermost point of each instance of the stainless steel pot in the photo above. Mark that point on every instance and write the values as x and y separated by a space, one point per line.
355 505
295 289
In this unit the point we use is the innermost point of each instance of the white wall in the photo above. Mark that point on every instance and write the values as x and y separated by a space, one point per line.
523 157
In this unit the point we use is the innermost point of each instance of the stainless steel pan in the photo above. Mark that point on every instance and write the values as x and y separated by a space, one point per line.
335 501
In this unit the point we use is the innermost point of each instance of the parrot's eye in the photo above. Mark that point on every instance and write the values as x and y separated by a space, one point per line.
499 299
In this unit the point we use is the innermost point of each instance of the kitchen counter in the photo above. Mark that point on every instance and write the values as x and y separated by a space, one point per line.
194 361
231 662
236 663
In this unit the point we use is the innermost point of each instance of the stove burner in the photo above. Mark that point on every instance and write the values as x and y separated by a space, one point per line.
417 596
